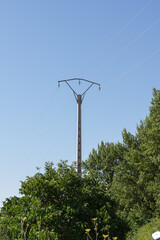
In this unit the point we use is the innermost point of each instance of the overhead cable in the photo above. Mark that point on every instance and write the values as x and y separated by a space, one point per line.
126 46
114 36
133 68
37 122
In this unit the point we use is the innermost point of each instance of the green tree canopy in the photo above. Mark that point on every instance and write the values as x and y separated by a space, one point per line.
59 204
131 170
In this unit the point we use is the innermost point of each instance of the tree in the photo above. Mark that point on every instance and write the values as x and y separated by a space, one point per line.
136 183
102 162
131 170
59 204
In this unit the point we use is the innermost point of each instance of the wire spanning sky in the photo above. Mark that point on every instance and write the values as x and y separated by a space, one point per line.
115 43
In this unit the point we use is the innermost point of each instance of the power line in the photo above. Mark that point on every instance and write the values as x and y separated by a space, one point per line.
46 132
37 122
133 68
126 46
53 146
114 36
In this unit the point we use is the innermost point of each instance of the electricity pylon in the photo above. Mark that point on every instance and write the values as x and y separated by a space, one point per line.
79 99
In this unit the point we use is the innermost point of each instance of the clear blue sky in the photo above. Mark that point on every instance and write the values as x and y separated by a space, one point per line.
115 43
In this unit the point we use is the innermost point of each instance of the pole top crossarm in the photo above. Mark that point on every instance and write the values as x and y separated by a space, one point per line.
79 79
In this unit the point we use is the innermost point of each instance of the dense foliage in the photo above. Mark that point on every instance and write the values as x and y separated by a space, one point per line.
131 170
59 204
119 185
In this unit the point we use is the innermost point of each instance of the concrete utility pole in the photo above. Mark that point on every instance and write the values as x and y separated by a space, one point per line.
79 99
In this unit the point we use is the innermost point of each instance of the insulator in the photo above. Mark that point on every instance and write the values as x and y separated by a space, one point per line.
58 84
99 88
79 82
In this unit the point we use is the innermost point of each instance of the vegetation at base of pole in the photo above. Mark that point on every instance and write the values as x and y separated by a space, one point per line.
58 204
119 185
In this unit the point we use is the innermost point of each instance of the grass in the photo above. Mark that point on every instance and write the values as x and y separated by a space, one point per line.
145 232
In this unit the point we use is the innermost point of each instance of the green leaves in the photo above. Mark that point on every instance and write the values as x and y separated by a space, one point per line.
57 203
131 170
102 163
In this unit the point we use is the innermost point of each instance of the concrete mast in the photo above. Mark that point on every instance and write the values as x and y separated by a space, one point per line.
79 99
